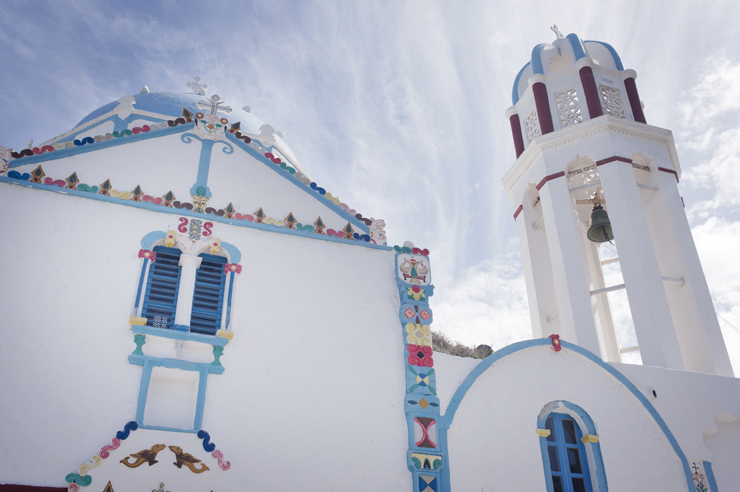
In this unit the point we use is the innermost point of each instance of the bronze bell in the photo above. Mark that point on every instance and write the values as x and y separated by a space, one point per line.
601 229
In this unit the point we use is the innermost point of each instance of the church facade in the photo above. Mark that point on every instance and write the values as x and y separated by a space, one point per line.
186 309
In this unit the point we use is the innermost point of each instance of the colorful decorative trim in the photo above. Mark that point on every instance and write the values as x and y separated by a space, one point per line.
542 432
135 320
149 255
421 403
228 334
75 480
556 345
211 448
589 438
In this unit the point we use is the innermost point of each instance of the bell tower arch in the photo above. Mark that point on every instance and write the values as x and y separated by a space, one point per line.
591 171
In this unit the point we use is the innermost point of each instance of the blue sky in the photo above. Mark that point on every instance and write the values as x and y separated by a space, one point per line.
398 107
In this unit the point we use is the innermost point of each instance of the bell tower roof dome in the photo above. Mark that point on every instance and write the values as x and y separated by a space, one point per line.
564 52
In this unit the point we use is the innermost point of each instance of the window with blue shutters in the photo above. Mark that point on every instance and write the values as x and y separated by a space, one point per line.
208 297
567 453
162 287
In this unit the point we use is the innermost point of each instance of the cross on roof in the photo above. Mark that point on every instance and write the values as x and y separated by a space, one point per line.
696 468
213 104
197 86
557 32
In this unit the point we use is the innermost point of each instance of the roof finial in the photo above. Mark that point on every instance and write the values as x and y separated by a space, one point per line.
197 86
213 104
557 32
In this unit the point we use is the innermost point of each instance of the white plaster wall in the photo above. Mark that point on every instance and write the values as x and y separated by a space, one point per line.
687 401
101 129
451 371
312 394
492 440
158 165
249 184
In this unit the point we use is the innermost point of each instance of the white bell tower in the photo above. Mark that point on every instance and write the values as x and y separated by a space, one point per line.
581 139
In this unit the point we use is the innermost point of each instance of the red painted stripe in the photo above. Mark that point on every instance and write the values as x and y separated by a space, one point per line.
612 159
29 488
634 99
665 170
548 178
516 132
593 101
518 211
541 102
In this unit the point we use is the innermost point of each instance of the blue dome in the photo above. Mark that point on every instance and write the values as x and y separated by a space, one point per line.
171 104
601 53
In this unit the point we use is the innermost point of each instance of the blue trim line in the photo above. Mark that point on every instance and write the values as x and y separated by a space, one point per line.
515 91
537 59
578 49
187 213
179 335
185 365
148 240
710 476
202 382
62 153
146 376
300 184
235 255
445 421
228 302
168 429
615 55
141 285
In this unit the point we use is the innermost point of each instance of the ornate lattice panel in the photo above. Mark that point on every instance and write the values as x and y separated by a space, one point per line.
569 107
533 125
612 101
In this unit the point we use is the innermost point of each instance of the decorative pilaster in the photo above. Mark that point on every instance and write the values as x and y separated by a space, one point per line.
516 130
542 103
590 91
421 404
634 97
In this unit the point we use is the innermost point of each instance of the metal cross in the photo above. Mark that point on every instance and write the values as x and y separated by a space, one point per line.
197 86
213 104
557 32
696 468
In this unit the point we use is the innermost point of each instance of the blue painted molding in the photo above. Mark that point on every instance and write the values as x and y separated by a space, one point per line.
235 255
185 365
118 124
615 55
515 91
168 429
62 153
204 162
148 240
537 59
578 49
187 213
300 184
180 335
445 421
710 476
598 463
142 277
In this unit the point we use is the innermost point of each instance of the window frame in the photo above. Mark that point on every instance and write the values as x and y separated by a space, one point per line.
557 440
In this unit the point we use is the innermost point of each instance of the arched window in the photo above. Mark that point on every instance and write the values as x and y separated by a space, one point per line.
571 452
567 453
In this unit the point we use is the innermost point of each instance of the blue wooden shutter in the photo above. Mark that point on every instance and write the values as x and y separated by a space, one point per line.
162 286
208 298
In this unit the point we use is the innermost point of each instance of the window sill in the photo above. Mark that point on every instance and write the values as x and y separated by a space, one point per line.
180 335
140 360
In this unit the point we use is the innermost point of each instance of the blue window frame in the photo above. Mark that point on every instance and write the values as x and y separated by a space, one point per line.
162 287
567 453
208 297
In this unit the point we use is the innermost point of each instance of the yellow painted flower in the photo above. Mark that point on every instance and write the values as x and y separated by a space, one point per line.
170 240
215 246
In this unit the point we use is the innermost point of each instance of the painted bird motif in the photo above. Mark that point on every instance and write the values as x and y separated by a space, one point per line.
188 460
144 456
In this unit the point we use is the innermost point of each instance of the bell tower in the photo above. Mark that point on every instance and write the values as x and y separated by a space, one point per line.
590 170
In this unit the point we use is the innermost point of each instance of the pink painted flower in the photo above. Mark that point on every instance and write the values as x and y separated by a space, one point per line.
144 253
420 355
556 346
232 267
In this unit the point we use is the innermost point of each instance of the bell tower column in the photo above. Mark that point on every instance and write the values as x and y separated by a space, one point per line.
568 268
651 313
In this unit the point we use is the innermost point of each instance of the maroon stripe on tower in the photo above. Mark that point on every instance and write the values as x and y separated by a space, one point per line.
518 211
548 178
612 159
516 132
542 104
665 170
592 93
634 98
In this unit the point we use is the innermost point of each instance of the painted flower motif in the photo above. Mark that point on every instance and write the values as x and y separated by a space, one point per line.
418 334
422 379
232 267
555 342
145 253
420 355
170 240
416 293
215 246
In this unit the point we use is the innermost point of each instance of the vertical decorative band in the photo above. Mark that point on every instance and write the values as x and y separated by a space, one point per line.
516 132
425 457
591 92
634 98
542 103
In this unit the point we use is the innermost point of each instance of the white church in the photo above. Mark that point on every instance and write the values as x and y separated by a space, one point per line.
186 309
